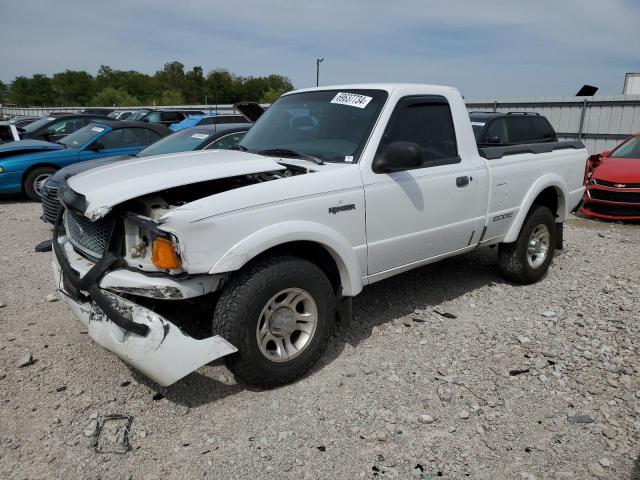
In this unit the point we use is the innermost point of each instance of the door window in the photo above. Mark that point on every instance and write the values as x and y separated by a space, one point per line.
128 137
544 130
427 123
520 130
153 117
172 116
65 127
498 130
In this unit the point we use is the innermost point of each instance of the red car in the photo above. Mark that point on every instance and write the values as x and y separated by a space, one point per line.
613 183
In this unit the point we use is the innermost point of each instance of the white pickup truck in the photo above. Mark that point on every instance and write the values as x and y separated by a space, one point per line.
176 260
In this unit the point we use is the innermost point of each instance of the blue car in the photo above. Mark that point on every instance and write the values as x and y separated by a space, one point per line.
26 164
207 119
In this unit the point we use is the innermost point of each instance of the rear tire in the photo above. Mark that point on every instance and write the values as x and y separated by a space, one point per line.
34 181
258 312
527 260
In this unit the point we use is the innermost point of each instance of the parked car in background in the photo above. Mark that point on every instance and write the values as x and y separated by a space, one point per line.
52 128
207 119
8 132
613 183
207 137
495 129
165 117
252 111
97 111
25 165
121 114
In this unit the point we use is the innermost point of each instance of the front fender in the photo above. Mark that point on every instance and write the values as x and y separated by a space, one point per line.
285 232
548 180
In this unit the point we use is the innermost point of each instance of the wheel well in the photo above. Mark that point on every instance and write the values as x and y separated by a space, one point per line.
312 252
33 167
548 198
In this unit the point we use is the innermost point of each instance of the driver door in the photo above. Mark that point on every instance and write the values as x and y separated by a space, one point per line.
425 212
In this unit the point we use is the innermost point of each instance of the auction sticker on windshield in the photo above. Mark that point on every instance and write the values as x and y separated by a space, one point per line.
97 129
351 99
200 136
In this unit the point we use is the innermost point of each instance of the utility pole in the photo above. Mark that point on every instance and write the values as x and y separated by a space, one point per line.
318 61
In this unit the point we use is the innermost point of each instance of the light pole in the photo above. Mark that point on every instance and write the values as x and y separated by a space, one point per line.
318 61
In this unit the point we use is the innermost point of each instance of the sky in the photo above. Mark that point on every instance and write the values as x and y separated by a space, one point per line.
485 48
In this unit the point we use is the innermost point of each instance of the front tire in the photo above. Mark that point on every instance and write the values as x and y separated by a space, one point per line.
34 181
527 260
278 312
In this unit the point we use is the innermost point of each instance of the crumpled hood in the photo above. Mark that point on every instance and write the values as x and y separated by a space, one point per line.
109 185
618 170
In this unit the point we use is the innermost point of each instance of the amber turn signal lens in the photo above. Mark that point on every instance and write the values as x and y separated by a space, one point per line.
164 254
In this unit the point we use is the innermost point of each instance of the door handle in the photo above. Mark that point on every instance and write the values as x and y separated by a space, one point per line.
462 181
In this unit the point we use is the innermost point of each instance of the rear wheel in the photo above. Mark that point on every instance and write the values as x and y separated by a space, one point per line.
34 182
278 312
528 258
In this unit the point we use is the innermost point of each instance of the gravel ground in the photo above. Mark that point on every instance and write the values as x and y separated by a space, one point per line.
446 372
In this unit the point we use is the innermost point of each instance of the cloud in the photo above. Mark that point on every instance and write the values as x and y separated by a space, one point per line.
485 48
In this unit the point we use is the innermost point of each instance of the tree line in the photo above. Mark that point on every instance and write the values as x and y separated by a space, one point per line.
170 86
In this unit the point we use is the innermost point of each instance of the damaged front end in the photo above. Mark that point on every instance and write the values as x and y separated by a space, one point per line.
130 312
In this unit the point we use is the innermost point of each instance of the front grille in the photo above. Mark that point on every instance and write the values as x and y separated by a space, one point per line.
615 184
615 196
50 204
614 210
89 238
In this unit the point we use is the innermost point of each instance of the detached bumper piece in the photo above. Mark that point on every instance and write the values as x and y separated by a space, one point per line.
142 338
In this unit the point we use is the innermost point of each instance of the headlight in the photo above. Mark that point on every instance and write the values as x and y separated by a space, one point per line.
1 169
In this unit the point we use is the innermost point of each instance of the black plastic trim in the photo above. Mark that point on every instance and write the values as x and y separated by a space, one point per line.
71 199
494 153
89 283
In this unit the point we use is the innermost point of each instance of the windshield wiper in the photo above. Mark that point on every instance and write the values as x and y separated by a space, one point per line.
285 152
237 146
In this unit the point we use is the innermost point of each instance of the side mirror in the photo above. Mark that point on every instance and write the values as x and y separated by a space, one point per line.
398 156
96 146
493 140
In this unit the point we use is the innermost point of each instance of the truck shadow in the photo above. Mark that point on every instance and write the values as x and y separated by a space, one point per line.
194 390
380 303
424 288
635 474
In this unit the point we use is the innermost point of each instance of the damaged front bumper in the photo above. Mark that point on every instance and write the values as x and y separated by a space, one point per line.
142 338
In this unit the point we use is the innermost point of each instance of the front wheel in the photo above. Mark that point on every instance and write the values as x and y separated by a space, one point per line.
34 181
527 259
278 313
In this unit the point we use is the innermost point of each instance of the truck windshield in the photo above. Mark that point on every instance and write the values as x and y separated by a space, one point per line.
330 125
